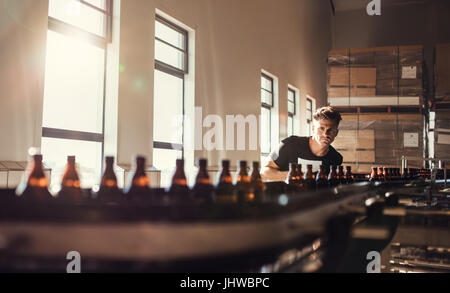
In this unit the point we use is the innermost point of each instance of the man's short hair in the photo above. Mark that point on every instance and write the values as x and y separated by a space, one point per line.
328 113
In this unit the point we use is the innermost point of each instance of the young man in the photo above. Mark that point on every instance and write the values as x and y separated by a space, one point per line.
315 150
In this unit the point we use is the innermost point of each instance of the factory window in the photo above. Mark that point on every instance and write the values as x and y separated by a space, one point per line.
78 33
292 107
267 103
171 68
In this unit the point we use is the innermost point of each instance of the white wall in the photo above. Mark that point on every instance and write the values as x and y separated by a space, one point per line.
235 40
23 31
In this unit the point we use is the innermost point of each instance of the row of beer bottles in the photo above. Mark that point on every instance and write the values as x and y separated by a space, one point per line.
245 187
382 174
298 181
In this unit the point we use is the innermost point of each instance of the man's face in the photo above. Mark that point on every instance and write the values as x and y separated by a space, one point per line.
324 131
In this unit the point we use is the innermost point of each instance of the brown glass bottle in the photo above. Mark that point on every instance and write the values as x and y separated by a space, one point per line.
405 175
203 188
139 182
35 187
109 191
341 175
179 188
411 172
349 178
391 174
333 179
256 182
70 184
224 187
291 179
310 182
398 176
321 179
374 175
300 180
386 174
243 187
380 174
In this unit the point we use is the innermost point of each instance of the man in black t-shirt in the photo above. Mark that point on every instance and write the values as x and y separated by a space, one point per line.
315 150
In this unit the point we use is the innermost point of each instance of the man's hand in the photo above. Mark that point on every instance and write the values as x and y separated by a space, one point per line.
271 172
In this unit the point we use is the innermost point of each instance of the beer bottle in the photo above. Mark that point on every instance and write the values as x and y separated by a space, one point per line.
139 181
412 173
386 174
109 190
179 187
333 179
34 187
291 179
341 175
256 182
203 189
374 175
244 189
405 175
321 179
224 186
391 174
348 175
310 182
398 176
380 174
300 180
70 184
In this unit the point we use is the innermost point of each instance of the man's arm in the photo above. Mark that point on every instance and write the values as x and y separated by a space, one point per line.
271 172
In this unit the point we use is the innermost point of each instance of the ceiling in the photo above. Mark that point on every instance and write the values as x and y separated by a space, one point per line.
344 5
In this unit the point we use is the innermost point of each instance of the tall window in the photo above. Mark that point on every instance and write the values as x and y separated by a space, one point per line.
267 103
291 111
309 115
171 66
73 120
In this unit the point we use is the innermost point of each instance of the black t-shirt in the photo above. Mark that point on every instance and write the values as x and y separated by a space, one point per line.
295 147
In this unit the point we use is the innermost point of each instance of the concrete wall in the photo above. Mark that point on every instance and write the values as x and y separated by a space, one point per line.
417 23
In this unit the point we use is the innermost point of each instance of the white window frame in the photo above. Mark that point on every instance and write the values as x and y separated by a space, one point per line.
274 112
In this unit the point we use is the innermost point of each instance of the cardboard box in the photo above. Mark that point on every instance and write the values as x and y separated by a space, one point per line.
338 76
365 139
359 76
365 156
361 156
380 138
354 139
392 71
442 70
346 139
348 156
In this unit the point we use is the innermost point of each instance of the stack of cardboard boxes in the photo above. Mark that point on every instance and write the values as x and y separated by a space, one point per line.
366 79
367 140
442 97
376 76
